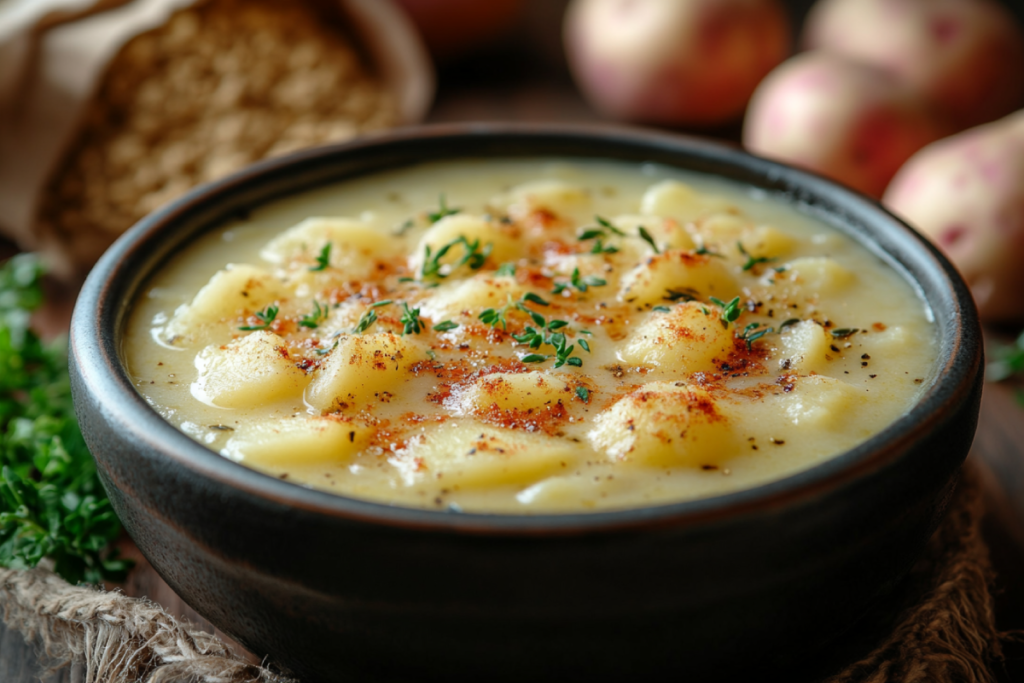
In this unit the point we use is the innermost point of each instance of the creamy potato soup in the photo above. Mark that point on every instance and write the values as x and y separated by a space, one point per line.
529 336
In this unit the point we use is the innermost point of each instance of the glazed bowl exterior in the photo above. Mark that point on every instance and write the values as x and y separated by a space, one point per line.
337 589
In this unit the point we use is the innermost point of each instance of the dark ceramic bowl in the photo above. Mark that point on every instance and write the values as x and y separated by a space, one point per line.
338 589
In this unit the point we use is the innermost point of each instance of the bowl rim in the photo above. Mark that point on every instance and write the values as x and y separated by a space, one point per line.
100 313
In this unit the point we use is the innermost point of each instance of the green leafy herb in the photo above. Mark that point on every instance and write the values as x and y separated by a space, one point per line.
445 325
844 332
607 225
751 260
702 250
583 393
506 270
661 309
51 501
751 333
411 323
533 298
680 294
580 283
1008 361
369 317
585 344
730 311
791 321
435 216
474 257
495 317
600 248
323 260
534 358
646 237
266 318
313 320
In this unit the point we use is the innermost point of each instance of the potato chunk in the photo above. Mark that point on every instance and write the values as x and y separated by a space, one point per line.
250 371
704 276
363 369
471 454
824 403
355 246
677 200
501 245
298 441
509 391
558 197
665 424
684 339
470 296
805 346
230 293
819 274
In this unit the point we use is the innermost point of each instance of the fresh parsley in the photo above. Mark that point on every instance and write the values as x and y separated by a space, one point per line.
266 318
51 501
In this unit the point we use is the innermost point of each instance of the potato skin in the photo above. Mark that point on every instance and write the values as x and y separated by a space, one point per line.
966 193
851 122
967 56
676 62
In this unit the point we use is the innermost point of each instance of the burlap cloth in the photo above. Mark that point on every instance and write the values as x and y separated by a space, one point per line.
946 630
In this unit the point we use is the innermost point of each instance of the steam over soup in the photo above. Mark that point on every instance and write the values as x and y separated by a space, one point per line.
527 336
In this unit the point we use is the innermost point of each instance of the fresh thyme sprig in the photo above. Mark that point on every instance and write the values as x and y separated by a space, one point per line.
313 320
266 318
752 332
506 270
730 311
598 234
442 212
474 257
580 283
411 323
323 260
752 260
844 332
583 393
646 237
497 316
685 294
51 501
702 250
445 325
369 317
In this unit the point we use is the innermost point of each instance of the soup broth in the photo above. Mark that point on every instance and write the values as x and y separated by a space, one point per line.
526 336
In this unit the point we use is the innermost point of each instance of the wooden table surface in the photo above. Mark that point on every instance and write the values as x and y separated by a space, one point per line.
528 82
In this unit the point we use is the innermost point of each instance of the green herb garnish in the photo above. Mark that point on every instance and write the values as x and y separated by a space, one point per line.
704 251
51 501
730 311
844 332
266 318
323 260
580 283
607 225
680 294
411 323
661 309
443 211
791 321
583 393
445 325
646 237
474 257
751 333
313 320
369 317
751 260
533 358
506 270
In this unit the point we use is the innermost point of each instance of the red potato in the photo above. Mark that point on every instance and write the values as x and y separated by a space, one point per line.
967 194
967 56
676 62
848 121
